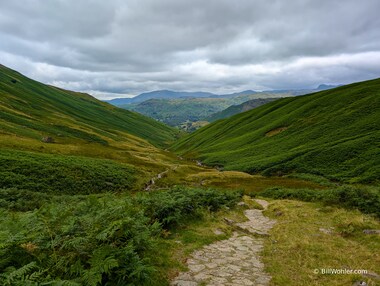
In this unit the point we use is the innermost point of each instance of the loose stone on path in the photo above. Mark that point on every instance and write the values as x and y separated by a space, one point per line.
234 261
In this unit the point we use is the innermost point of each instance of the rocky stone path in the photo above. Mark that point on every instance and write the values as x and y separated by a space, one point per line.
232 262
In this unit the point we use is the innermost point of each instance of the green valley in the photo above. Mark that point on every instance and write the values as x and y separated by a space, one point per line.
91 194
189 143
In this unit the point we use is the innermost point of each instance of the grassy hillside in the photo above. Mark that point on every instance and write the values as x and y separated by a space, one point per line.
94 146
32 109
334 133
235 109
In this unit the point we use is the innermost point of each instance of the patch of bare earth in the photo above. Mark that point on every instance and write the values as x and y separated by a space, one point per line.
275 131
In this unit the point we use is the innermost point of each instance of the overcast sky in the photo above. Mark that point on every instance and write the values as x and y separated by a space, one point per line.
118 48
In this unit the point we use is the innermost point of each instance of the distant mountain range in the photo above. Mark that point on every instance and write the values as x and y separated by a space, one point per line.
170 94
176 111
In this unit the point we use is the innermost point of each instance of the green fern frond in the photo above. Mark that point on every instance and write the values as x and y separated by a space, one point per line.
108 264
20 273
74 243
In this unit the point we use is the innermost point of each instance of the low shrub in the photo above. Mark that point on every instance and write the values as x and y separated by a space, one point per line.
173 206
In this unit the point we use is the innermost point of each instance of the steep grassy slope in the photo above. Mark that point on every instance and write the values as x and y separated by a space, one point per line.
235 109
31 109
96 147
333 133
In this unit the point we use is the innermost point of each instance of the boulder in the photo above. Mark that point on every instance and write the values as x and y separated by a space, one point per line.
47 139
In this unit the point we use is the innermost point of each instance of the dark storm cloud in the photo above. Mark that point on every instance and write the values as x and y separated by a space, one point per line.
126 47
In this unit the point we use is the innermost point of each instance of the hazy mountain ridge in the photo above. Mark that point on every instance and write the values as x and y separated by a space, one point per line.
170 94
160 94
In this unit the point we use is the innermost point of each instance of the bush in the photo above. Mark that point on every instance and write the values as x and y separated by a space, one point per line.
171 207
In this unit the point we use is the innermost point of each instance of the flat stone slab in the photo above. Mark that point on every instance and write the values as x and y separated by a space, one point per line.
234 261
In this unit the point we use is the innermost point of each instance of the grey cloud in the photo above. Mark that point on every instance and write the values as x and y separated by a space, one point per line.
127 47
